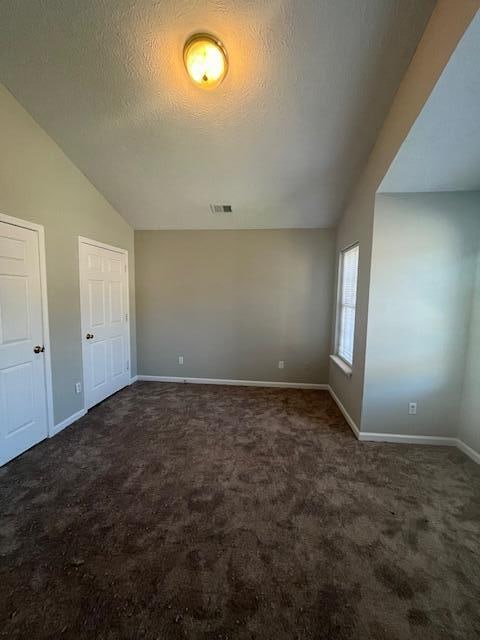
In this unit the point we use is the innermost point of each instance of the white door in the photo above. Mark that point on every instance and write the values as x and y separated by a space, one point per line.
105 323
23 395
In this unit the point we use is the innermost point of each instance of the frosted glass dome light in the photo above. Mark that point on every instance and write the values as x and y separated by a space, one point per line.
205 60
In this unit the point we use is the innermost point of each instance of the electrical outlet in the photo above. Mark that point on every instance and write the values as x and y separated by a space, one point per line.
78 387
180 359
412 408
281 364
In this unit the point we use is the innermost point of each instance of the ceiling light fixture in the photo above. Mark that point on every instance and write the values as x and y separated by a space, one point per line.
206 60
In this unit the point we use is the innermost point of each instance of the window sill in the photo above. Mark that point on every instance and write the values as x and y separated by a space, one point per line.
341 364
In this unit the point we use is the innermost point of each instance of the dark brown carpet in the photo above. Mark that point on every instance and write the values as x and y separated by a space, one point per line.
186 511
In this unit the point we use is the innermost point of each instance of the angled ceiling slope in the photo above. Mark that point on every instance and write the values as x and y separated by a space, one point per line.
442 149
282 139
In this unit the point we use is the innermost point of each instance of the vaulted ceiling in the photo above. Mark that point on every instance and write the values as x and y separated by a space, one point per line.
282 139
442 149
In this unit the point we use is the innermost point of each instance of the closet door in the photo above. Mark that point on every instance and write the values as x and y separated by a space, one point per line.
105 322
23 395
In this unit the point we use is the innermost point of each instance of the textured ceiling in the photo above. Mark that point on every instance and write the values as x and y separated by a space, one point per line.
282 139
442 150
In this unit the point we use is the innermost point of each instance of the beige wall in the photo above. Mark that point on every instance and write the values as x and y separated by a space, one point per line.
234 303
422 278
39 183
447 25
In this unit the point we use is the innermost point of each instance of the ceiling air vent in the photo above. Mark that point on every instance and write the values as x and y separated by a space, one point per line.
221 208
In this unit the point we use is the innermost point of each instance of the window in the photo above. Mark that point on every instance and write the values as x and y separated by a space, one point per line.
347 299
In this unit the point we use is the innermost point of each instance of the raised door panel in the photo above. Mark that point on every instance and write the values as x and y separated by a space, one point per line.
17 388
99 363
117 356
114 264
116 303
15 316
96 306
95 261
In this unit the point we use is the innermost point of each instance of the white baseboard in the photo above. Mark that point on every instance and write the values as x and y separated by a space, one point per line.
468 451
133 380
67 422
346 415
236 383
399 438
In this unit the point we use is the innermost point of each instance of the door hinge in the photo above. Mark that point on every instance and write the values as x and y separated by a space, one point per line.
128 365
126 317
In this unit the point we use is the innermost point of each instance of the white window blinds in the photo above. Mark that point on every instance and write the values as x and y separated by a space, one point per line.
347 303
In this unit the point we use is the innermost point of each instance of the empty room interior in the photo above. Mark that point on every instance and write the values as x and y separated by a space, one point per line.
240 319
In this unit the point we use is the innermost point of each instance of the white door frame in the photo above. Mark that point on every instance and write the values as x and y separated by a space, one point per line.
47 360
102 245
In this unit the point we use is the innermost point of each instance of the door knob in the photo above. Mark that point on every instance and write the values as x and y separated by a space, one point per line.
89 336
38 349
